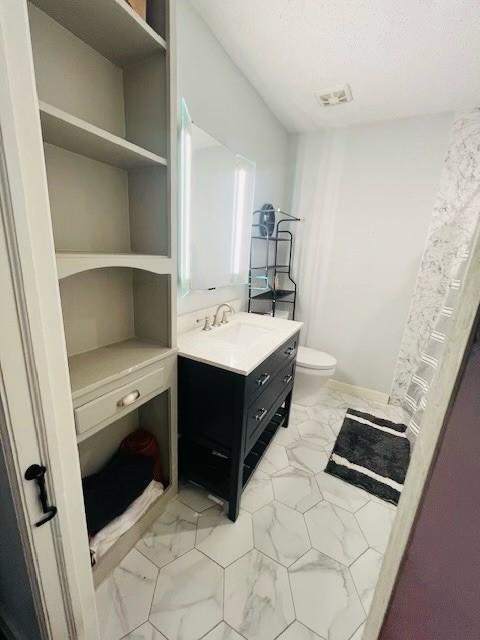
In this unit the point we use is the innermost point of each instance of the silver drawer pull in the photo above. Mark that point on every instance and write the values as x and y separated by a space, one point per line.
263 379
130 398
291 351
261 413
288 379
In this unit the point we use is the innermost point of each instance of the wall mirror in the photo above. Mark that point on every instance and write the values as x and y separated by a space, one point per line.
216 203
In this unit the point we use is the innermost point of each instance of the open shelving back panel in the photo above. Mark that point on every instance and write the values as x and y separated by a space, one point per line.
99 208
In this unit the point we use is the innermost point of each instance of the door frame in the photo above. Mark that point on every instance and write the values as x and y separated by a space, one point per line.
33 358
424 452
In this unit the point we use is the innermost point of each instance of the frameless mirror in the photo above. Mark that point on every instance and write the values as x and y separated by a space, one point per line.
216 204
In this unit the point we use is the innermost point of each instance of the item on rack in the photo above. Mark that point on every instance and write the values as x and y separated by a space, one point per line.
107 537
267 220
110 491
140 7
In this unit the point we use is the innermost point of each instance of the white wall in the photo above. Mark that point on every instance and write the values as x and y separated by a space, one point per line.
367 194
222 102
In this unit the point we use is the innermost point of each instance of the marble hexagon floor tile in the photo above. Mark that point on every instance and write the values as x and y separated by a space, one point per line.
146 632
123 600
341 493
287 436
331 417
296 488
325 597
258 601
188 600
365 572
376 521
194 497
298 413
223 632
307 456
258 492
280 533
298 631
221 539
316 432
275 459
335 532
172 535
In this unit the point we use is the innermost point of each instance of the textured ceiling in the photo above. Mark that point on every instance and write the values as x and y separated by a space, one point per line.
401 57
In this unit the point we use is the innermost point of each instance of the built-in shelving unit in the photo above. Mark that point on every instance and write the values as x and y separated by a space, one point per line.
108 119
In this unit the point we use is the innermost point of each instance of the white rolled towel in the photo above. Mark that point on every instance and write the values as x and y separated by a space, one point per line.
106 537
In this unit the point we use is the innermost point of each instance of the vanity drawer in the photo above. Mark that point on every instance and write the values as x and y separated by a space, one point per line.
263 375
261 411
112 405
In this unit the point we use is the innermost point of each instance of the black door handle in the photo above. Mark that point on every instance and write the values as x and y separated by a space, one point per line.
37 472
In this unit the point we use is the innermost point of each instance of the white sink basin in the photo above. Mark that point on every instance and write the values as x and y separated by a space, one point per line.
240 334
239 346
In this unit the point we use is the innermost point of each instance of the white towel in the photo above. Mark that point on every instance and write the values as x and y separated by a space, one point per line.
106 537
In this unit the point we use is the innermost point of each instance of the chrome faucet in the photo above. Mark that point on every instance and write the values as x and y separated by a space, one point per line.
228 309
206 323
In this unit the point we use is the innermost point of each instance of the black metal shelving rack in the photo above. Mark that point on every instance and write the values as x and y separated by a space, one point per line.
272 235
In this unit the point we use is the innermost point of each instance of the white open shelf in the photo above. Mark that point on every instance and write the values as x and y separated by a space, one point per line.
69 263
110 27
69 132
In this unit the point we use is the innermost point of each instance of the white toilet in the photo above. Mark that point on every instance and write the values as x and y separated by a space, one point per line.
314 369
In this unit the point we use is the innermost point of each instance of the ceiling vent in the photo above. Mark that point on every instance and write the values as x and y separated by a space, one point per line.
334 98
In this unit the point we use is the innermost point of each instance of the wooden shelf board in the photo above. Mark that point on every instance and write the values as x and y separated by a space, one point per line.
70 262
111 27
73 134
93 369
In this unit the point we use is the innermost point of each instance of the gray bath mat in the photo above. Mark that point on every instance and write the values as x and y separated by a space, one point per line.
371 453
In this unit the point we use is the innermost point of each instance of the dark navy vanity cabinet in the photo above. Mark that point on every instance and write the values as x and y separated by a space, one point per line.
227 420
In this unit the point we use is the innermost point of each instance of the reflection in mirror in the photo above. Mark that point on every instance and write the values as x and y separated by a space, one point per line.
216 204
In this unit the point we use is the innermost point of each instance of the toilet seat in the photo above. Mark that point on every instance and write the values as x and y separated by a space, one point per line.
314 359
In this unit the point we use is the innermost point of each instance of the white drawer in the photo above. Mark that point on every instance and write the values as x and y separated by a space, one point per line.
113 405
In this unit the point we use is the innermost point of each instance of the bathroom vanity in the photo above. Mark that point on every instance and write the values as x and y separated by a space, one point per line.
235 390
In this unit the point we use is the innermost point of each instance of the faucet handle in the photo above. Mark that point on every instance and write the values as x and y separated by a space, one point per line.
224 316
206 323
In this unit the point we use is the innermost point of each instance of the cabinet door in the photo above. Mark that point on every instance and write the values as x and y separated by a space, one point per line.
37 425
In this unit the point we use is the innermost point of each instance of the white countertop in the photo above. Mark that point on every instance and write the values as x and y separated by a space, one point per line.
239 346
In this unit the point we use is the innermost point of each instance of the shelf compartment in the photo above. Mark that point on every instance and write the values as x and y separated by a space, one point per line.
256 453
116 114
154 416
110 27
101 209
70 263
200 465
73 134
279 294
116 320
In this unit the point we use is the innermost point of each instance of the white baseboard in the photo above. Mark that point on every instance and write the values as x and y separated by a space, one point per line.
360 392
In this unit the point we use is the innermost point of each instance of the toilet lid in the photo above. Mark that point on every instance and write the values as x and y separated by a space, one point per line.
313 359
